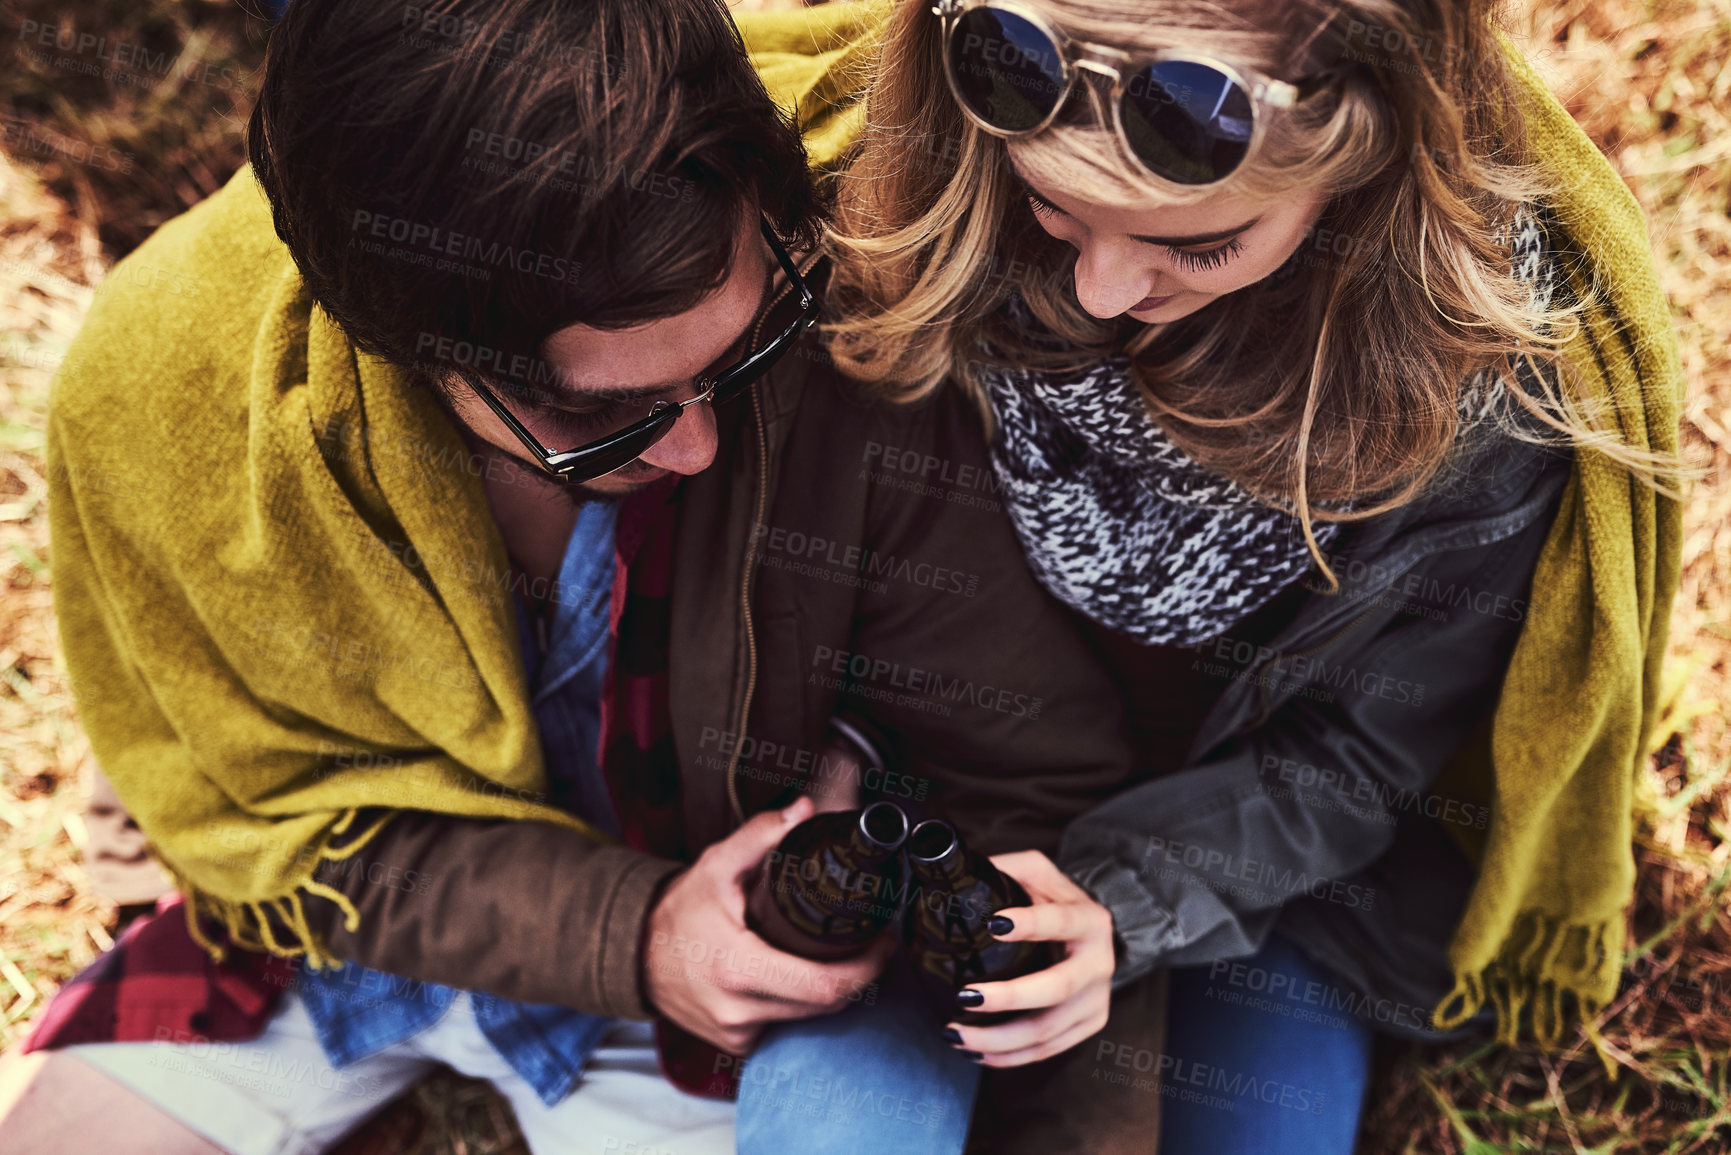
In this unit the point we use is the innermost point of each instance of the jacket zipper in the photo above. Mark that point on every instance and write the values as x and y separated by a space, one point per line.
745 574
745 607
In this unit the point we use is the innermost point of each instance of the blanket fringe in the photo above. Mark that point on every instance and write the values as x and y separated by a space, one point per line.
1523 978
257 924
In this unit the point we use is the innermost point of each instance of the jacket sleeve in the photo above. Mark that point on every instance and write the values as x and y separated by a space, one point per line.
1195 865
522 910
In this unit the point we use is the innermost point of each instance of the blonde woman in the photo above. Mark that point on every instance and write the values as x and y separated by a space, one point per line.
1296 330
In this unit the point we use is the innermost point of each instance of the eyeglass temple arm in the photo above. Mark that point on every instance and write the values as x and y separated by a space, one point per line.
507 417
785 260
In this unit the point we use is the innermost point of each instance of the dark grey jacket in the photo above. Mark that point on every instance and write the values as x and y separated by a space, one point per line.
1305 804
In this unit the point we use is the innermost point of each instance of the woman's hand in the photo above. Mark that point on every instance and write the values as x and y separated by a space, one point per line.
1075 992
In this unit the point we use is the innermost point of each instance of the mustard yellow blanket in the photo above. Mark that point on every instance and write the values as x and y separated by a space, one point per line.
282 595
1582 695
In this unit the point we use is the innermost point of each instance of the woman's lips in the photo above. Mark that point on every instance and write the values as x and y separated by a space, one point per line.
1151 303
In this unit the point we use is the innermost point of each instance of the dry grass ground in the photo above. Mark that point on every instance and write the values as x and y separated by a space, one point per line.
92 163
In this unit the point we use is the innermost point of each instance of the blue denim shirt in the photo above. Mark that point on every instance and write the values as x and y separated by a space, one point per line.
358 1011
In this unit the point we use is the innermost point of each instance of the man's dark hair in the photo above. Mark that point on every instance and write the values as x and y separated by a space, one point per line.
489 171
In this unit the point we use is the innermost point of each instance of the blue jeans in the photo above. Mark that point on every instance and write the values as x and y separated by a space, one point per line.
1255 1065
876 1077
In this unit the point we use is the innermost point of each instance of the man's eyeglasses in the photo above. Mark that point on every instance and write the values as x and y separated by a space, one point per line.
1188 119
622 446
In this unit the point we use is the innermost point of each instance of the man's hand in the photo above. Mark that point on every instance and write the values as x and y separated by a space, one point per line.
710 974
1075 992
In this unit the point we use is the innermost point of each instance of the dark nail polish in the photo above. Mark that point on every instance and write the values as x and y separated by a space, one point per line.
969 998
998 924
974 1056
953 1035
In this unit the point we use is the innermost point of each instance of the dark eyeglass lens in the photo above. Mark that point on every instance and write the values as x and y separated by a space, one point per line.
1006 70
728 388
761 362
1188 122
606 459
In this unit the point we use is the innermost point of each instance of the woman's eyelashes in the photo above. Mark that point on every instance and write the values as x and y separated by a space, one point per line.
1042 206
1205 259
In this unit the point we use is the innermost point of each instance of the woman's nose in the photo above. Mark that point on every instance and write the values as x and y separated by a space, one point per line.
1109 279
689 446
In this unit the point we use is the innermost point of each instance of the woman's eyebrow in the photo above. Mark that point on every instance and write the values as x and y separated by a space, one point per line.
1197 238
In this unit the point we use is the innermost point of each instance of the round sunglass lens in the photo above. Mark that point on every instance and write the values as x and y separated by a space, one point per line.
1005 69
1186 121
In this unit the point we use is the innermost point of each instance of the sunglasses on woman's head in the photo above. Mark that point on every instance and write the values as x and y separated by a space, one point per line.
1184 118
621 446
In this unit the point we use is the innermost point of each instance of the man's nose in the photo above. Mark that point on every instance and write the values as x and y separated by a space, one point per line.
1110 280
689 446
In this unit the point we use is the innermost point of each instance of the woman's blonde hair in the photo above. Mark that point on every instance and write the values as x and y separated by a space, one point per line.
1334 392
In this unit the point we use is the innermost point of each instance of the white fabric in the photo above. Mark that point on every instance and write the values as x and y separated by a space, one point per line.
278 1095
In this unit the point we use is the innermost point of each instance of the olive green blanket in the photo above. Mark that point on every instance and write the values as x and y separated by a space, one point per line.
1582 696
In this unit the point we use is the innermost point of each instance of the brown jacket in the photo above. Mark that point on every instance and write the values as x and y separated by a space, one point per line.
834 543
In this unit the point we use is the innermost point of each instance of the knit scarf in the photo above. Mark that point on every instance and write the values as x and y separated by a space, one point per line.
1122 525
1543 932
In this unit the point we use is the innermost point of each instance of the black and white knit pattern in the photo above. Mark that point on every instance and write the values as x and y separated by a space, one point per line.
1533 261
1123 526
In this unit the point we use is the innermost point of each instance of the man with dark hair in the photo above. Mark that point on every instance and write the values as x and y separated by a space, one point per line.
488 232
